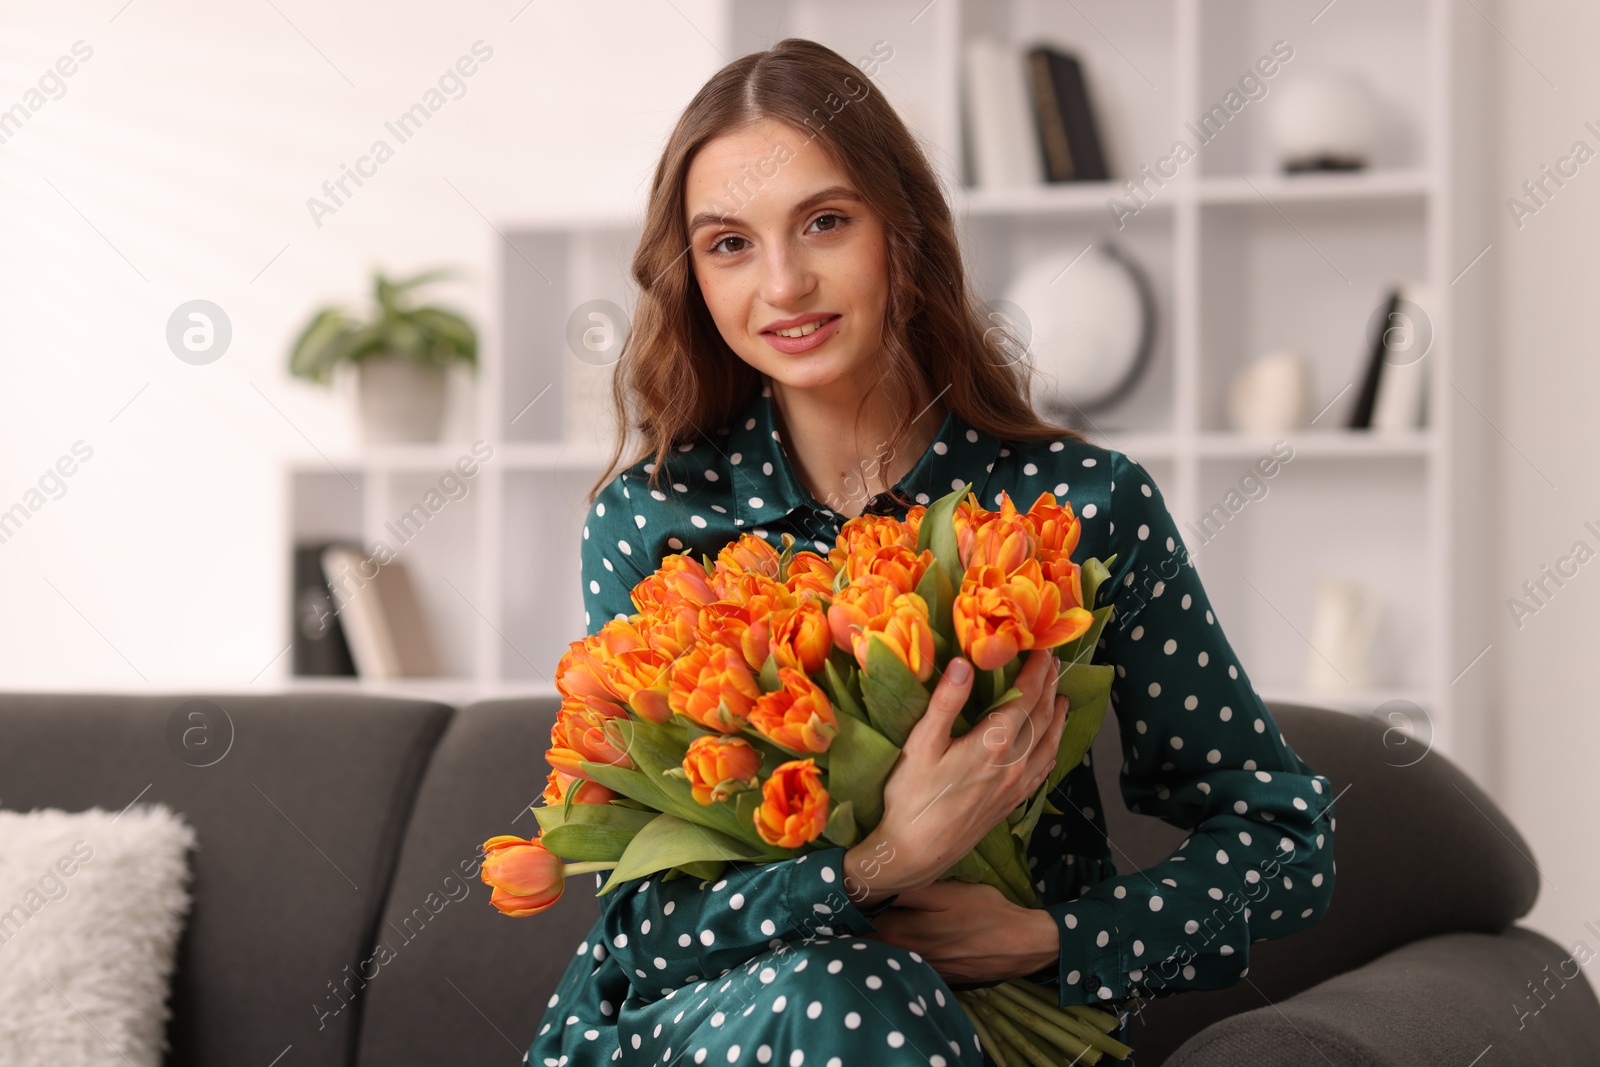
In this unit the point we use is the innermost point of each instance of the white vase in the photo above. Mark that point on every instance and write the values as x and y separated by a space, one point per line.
1271 394
401 400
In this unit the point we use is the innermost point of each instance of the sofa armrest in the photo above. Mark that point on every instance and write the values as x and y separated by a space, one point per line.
1444 999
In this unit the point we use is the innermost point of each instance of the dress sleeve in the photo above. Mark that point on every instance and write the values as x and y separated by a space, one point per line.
667 933
1201 752
611 560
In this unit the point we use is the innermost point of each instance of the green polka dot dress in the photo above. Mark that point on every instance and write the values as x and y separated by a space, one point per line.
765 965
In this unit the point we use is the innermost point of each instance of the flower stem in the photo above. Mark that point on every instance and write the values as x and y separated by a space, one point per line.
1079 1032
1012 1033
990 1043
570 869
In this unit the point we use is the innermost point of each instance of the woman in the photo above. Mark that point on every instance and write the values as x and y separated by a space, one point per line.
801 297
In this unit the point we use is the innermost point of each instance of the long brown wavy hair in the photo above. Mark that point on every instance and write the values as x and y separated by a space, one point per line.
676 374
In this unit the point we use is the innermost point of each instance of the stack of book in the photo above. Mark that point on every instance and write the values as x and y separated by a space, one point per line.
1029 117
355 617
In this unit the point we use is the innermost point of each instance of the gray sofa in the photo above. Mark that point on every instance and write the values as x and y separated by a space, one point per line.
338 918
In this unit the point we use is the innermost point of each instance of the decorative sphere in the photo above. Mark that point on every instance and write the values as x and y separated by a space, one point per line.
1325 120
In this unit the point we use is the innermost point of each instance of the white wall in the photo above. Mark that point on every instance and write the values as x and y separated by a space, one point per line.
177 165
1549 385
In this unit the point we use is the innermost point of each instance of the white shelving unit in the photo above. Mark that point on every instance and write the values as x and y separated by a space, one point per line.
1242 260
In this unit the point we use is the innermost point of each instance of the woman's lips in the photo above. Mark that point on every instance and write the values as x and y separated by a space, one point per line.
795 345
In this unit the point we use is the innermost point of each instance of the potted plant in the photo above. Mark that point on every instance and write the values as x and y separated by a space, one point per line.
401 353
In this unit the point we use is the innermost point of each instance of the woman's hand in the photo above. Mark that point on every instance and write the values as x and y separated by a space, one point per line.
945 793
970 932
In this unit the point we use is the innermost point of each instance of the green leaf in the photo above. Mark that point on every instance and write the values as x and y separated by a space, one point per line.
1000 849
768 678
1026 816
975 869
706 870
1088 690
841 579
861 761
1091 573
745 805
572 791
938 532
936 590
839 691
1081 648
895 699
668 841
841 827
594 832
655 748
785 557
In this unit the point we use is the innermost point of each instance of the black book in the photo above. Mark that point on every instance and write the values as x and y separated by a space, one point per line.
319 646
1361 415
1064 116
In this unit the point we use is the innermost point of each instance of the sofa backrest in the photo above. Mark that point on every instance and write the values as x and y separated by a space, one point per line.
1419 850
463 983
299 802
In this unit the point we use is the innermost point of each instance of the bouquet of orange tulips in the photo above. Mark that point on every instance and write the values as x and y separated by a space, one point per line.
754 706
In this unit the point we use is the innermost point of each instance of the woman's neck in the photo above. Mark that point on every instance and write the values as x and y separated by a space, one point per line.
842 466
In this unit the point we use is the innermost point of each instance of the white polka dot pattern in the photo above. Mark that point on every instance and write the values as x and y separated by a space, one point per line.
791 982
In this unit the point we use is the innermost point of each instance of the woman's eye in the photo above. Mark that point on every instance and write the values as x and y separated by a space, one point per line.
717 249
830 215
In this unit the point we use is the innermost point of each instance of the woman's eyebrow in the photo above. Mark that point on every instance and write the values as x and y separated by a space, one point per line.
833 192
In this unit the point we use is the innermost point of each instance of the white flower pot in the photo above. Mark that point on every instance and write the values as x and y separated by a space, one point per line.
401 400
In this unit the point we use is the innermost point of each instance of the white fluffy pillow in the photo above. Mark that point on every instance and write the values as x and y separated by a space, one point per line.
91 907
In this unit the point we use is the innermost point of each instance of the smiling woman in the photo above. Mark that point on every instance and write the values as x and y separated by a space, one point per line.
818 343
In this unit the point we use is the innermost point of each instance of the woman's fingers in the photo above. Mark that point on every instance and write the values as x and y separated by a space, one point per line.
931 735
1015 729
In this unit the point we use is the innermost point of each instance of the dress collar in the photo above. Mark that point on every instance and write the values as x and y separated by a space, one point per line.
767 490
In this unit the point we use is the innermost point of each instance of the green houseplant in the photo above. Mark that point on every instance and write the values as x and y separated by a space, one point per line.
401 353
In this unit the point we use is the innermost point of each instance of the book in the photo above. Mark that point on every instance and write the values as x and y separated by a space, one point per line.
317 637
1361 413
382 616
1069 136
1001 132
1394 382
1403 382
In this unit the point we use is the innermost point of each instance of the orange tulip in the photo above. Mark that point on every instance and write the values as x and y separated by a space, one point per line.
901 565
913 521
639 678
582 672
794 804
671 632
798 716
1003 538
712 685
527 877
1068 578
718 767
1056 527
749 601
679 579
810 575
755 644
997 616
583 732
874 605
800 637
590 792
861 537
749 554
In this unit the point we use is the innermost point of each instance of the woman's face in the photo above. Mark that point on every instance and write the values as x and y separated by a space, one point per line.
766 248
